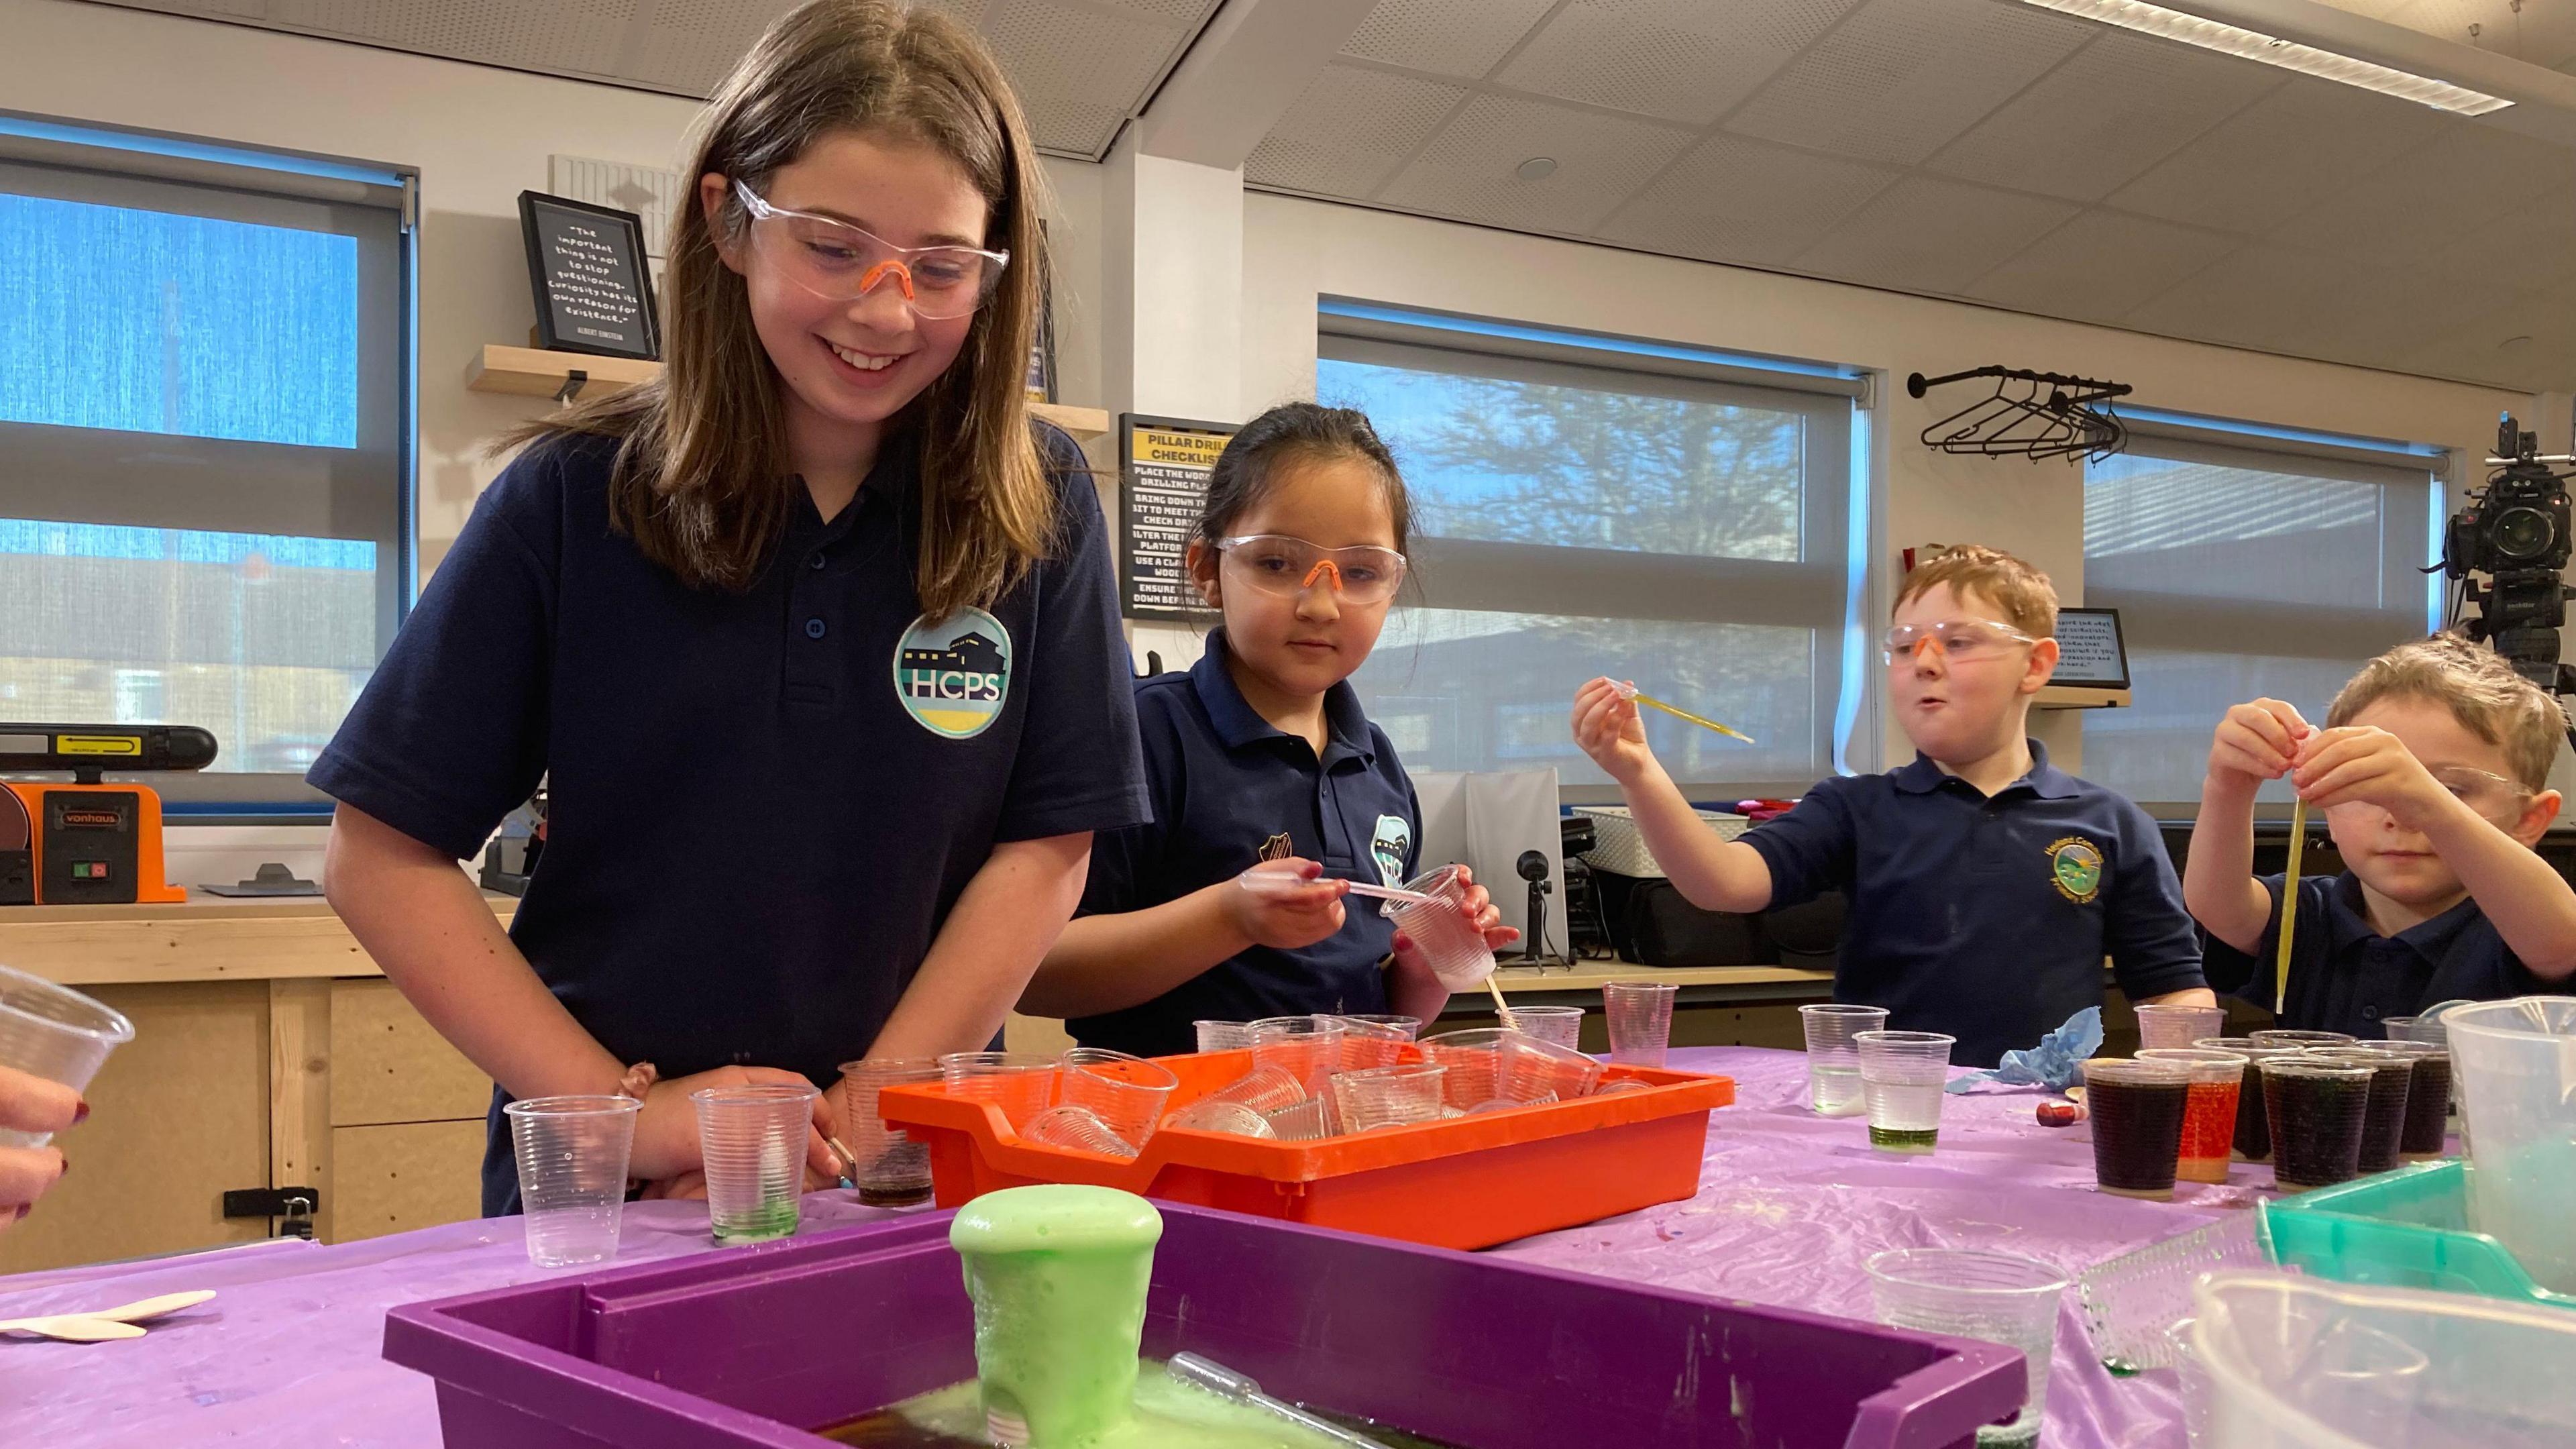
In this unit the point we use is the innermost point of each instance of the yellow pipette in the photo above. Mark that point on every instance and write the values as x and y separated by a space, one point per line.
2289 908
1630 691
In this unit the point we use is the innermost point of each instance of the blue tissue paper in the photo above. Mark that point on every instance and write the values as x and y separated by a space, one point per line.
2057 1063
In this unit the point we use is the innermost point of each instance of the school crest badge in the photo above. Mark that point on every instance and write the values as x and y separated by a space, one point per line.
952 675
2075 866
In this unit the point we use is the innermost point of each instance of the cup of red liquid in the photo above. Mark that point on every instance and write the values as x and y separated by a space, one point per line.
2137 1112
2209 1108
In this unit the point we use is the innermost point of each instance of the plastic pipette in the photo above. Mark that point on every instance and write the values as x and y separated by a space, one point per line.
1280 882
1630 691
2289 906
1237 1388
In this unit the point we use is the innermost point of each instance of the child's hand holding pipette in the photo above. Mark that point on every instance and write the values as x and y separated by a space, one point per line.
1295 905
2258 739
1607 728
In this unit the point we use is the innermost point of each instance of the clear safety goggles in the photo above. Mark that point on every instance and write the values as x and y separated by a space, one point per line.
832 258
1962 640
1277 564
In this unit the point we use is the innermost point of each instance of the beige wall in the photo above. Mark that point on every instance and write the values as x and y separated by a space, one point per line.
480 136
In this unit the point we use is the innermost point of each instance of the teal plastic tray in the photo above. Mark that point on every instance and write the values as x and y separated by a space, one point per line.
2408 1228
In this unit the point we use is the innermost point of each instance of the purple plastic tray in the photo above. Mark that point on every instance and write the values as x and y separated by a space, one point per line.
755 1346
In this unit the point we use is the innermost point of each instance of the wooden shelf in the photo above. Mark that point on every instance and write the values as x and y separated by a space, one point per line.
2076 696
535 372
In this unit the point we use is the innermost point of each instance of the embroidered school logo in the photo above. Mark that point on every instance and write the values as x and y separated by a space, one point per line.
1393 839
1277 847
2075 864
952 674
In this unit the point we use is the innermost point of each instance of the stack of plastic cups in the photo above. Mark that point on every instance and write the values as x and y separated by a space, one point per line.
1475 1062
1021 1084
2166 1027
1308 1048
1974 1293
1640 1017
2383 1124
1078 1128
1394 1096
1536 1071
2138 1109
2253 1123
2316 1109
753 1140
1126 1092
2209 1109
1375 1041
890 1168
1223 1036
1902 1074
1833 1061
1442 933
572 1154
56 1033
2516 1064
1562 1025
1263 1089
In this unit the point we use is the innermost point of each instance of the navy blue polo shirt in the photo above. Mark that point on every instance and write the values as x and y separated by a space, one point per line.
1226 784
1985 917
761 805
2345 976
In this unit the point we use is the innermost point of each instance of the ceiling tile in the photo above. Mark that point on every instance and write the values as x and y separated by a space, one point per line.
1446 37
1928 235
2113 109
690 45
1680 60
2532 246
580 36
2100 265
1899 78
1736 200
2281 299
1349 131
2280 156
1467 169
1078 71
2421 202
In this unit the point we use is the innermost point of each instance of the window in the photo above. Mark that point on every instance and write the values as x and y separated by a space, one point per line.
205 421
2242 571
1585 506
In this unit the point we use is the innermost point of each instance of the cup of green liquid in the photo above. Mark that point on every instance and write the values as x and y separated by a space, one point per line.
1901 1077
753 1139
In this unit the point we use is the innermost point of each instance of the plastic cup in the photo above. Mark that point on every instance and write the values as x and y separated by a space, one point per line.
1393 1096
2516 1065
2209 1108
1375 1041
1308 1048
56 1033
1263 1089
1232 1118
2137 1111
2277 1037
2253 1124
1640 1016
2428 1100
1127 1092
1078 1128
753 1140
2383 1124
1833 1061
1474 1058
1223 1036
891 1169
2316 1109
1562 1025
1022 1084
1901 1077
1308 1121
1532 1069
1975 1293
572 1154
1441 929
2178 1026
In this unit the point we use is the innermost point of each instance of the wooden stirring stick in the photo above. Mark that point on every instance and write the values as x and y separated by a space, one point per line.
2289 908
1500 1008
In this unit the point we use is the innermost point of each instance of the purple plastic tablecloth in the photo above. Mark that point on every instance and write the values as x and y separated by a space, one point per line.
1789 1206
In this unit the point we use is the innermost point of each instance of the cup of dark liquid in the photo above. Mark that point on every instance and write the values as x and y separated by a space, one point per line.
2137 1111
2392 1079
2253 1123
2280 1037
2209 1112
2428 1100
2317 1108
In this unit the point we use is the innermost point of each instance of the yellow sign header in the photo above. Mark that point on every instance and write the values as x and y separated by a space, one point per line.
1191 450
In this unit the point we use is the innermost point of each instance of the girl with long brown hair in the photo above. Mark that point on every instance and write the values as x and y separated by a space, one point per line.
813 638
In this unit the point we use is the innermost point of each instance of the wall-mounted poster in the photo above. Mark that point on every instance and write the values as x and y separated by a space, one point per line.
593 291
1163 471
2090 652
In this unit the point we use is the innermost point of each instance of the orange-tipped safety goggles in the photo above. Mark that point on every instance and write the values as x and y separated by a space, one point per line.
1960 639
832 258
1277 564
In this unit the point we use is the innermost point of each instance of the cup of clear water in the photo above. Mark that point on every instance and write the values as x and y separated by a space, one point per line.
572 1154
1640 1016
1975 1293
753 1139
56 1033
1901 1077
1833 1060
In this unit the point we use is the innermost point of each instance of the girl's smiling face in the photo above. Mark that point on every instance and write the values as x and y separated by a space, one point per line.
851 365
1302 643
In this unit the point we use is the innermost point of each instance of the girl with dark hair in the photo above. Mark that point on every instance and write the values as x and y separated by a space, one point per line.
1259 755
813 637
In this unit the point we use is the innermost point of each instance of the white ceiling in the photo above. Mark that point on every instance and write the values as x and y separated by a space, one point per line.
1082 67
1981 149
2542 32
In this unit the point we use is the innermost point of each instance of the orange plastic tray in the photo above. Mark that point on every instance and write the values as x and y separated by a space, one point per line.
1468 1182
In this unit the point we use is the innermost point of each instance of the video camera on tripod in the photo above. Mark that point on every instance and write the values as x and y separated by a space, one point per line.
2516 532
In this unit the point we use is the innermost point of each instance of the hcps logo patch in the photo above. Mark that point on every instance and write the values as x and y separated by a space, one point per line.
953 674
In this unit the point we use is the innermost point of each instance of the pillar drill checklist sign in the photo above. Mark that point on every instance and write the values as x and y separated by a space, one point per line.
1166 485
